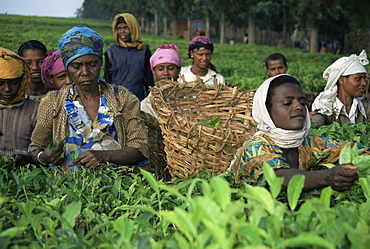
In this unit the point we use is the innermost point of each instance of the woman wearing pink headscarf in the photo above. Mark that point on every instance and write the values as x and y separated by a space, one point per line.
53 73
165 64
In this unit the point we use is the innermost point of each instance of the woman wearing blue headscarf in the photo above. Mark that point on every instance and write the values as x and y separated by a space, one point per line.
88 123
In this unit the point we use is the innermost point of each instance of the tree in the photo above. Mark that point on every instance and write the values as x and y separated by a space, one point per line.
309 14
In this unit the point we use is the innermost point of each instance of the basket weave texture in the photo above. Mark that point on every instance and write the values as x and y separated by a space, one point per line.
190 144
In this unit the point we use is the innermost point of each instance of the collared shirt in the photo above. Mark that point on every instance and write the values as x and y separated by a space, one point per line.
339 106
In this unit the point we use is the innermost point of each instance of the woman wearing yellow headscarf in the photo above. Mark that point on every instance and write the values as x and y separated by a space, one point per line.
17 113
127 61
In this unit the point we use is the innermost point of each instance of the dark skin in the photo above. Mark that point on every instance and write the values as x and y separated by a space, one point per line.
9 89
84 71
34 58
351 86
288 111
201 58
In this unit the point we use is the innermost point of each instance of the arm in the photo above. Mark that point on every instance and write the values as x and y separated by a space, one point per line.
320 119
107 67
340 178
94 158
42 136
148 72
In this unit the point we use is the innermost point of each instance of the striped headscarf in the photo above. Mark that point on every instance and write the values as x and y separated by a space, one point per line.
13 66
342 67
135 32
79 40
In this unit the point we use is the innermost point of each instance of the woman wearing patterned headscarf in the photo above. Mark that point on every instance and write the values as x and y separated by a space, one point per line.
127 61
53 73
100 123
342 100
282 141
200 50
17 113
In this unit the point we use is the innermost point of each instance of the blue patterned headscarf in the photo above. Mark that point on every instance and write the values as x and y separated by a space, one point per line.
78 41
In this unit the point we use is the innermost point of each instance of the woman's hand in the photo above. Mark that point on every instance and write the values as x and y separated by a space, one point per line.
341 177
53 154
91 158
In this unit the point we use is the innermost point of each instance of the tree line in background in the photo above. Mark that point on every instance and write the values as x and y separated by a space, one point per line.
310 21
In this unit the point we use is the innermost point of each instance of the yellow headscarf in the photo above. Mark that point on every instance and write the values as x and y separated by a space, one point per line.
135 33
13 66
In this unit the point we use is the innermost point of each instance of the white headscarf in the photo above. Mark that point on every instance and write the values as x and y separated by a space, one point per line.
282 138
342 67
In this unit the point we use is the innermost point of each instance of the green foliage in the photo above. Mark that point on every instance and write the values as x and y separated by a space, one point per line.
347 132
214 122
103 208
241 65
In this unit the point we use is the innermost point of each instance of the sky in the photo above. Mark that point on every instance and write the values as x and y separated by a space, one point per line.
60 8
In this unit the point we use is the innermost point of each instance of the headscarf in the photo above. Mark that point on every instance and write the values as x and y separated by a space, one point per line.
13 66
282 138
165 54
342 67
53 64
79 40
135 33
198 43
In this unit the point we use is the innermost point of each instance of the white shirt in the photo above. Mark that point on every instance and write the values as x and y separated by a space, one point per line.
339 106
207 79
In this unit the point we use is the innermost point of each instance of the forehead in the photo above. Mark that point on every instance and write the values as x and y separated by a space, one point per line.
203 51
272 63
166 65
288 89
86 58
33 53
122 25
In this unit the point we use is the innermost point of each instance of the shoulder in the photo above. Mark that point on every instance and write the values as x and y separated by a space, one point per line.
262 141
323 142
185 70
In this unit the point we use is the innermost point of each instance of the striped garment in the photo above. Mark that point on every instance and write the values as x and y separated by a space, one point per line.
17 122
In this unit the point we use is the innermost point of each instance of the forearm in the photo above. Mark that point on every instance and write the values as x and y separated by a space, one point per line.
94 158
313 179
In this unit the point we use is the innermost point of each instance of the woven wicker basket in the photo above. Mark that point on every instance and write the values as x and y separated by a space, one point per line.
157 163
190 144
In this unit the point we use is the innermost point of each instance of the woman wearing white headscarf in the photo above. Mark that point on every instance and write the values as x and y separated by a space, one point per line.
279 108
342 100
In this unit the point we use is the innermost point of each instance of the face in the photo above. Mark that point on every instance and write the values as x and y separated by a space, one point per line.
353 85
85 71
288 110
166 71
124 33
60 79
34 58
276 67
9 88
201 57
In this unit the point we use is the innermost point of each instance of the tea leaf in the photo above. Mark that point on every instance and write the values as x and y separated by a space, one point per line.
294 190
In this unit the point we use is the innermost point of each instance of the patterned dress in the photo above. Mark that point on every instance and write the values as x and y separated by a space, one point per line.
117 125
314 151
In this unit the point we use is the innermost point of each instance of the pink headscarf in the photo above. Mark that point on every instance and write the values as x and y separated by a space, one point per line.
53 64
165 54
